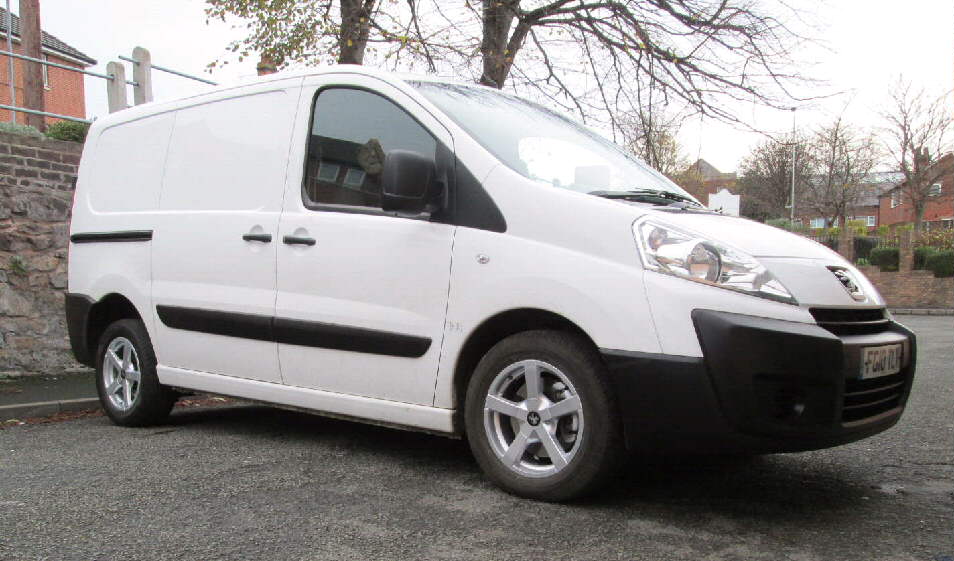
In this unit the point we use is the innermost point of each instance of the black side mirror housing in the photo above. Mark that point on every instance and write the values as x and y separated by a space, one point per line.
407 182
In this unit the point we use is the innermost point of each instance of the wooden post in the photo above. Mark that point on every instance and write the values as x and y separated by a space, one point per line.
116 88
142 75
31 35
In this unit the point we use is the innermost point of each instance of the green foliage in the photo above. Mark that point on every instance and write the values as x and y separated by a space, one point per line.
72 131
17 266
862 262
17 128
938 239
883 231
785 224
886 258
921 255
906 228
834 231
941 263
864 245
859 227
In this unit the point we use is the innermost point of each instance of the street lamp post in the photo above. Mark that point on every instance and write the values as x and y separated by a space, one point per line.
792 219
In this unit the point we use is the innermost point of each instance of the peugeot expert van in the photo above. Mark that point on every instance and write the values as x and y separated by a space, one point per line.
453 259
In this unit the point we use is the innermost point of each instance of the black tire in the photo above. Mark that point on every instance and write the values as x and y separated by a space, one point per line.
601 448
152 401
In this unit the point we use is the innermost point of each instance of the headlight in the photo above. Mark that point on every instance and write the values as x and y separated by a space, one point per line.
675 251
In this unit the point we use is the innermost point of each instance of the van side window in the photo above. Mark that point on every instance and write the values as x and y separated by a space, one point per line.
351 132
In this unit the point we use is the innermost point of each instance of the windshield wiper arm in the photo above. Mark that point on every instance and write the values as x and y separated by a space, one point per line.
645 195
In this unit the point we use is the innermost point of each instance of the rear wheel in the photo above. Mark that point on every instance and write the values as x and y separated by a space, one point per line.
540 418
129 389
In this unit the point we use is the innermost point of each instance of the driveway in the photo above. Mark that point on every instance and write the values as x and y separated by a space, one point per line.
250 482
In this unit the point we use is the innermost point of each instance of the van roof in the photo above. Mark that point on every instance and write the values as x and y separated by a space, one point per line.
140 111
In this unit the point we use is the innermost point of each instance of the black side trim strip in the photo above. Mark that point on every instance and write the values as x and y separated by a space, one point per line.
294 332
344 338
246 326
119 236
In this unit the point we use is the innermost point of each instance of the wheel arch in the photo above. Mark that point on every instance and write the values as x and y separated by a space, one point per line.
495 329
108 309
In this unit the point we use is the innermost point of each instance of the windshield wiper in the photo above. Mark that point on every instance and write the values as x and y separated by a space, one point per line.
653 196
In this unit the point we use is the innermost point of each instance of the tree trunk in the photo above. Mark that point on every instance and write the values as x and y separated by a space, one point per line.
919 215
355 27
33 90
497 46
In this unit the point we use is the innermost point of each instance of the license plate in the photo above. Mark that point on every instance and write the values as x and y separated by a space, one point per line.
880 361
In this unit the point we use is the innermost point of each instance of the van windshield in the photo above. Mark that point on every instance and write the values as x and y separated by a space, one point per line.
545 146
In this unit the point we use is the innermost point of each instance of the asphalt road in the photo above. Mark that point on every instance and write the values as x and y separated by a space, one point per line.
248 482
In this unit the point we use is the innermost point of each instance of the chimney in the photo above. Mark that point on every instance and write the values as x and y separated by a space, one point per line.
266 65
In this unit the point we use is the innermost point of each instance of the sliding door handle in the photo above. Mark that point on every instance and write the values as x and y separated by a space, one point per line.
264 238
298 240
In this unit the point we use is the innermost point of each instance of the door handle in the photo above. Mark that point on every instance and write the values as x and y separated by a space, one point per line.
298 240
264 238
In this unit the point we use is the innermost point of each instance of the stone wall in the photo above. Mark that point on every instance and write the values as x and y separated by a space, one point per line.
36 194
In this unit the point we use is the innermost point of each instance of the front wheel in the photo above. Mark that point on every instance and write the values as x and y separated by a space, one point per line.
540 418
129 389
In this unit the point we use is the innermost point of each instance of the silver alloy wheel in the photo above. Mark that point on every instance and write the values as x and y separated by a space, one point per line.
121 373
533 418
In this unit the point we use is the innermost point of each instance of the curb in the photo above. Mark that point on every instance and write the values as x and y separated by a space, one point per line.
47 408
922 311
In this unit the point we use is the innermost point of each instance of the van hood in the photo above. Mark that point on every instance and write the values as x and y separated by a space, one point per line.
755 238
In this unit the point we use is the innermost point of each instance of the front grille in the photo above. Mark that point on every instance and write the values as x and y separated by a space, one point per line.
869 398
851 321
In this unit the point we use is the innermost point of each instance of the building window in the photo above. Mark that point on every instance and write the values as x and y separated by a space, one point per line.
871 221
895 198
46 72
935 190
817 223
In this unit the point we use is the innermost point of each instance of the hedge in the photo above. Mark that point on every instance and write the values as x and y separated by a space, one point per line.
864 245
886 258
941 263
73 131
921 255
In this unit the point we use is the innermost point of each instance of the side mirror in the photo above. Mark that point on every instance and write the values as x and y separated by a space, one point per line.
407 182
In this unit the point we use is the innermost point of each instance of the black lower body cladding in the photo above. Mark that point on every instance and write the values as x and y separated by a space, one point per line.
763 385
77 320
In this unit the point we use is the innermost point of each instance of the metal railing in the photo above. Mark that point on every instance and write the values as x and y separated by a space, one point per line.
115 77
171 71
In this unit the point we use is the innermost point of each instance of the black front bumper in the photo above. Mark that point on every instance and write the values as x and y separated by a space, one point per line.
764 385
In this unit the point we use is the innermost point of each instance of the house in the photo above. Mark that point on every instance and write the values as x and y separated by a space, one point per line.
702 179
64 93
896 208
866 208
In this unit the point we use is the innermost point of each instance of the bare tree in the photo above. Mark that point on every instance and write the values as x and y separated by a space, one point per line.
588 54
916 135
841 160
765 178
654 140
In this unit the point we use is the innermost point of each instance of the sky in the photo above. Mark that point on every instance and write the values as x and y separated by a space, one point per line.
865 46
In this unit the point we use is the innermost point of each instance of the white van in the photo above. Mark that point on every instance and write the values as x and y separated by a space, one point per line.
457 260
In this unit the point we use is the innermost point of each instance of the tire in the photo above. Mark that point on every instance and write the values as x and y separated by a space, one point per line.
124 348
587 428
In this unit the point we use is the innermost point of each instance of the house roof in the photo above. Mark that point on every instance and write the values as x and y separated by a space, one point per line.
708 171
49 41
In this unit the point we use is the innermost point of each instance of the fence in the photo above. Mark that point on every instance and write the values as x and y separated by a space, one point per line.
115 77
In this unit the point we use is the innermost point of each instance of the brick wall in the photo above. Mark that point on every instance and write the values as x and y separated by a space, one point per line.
912 289
36 193
64 95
